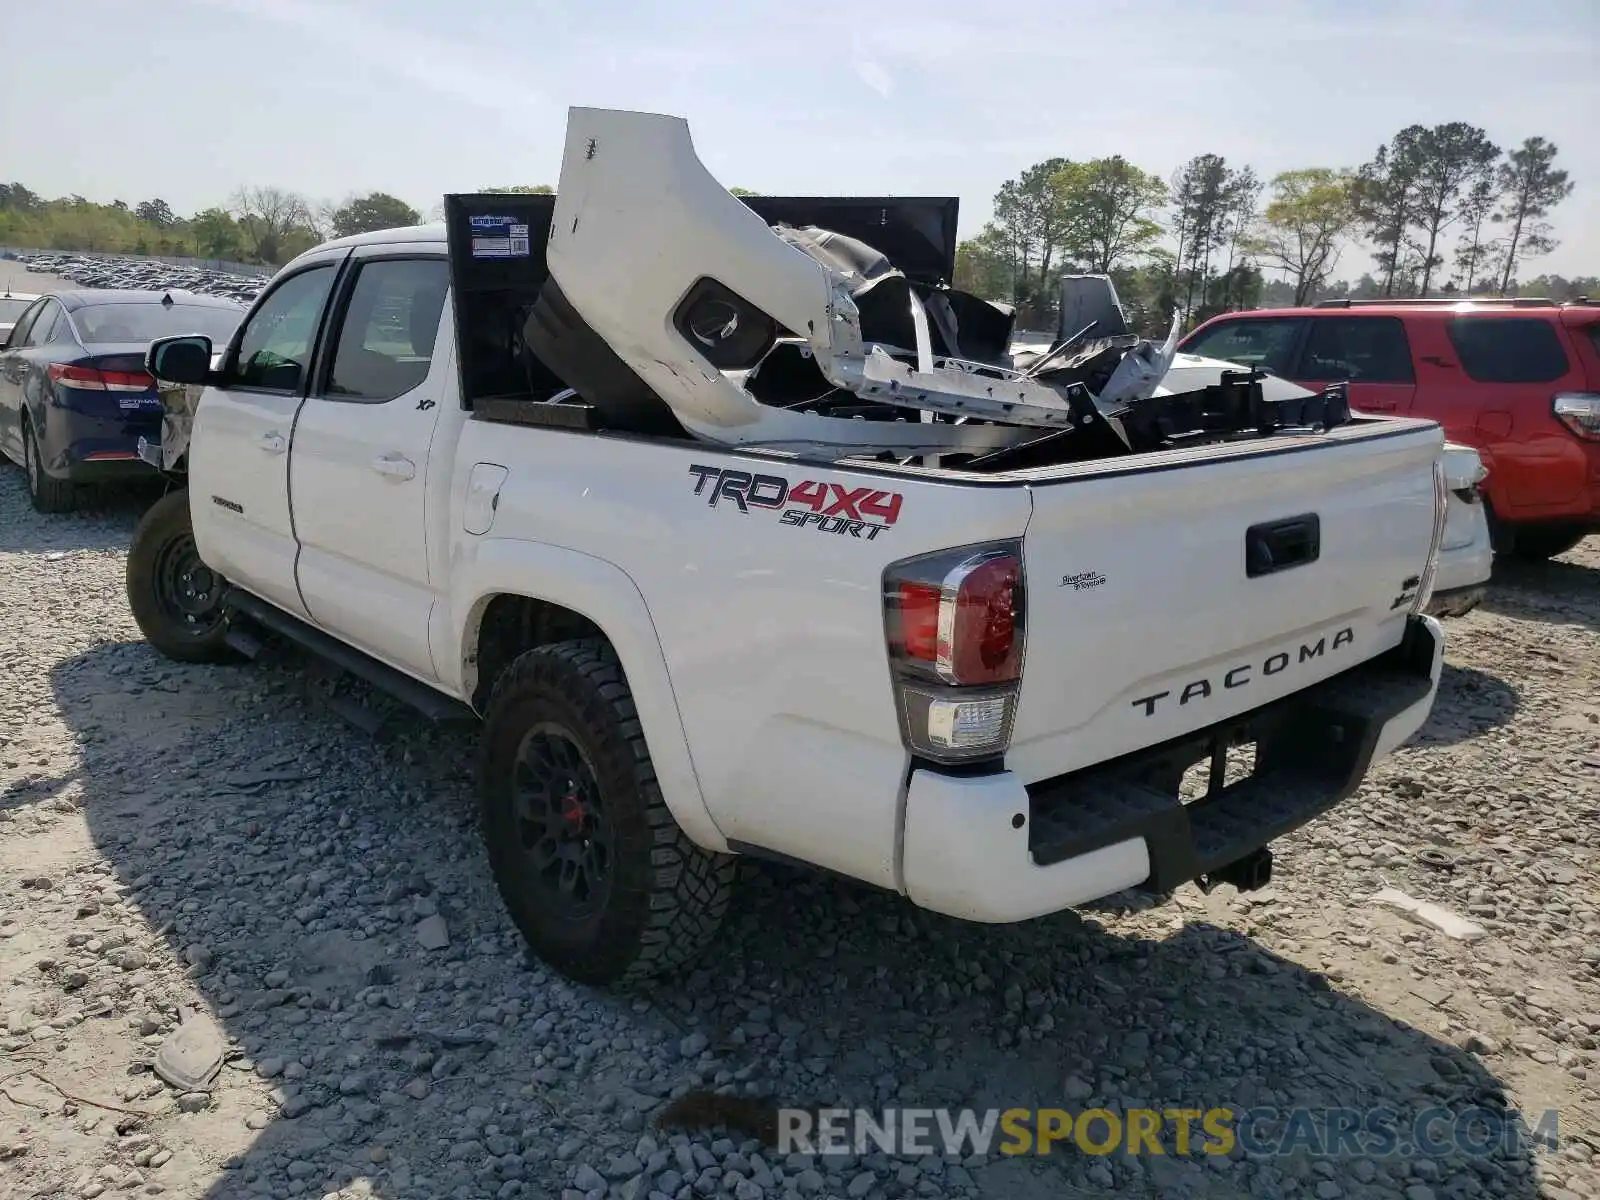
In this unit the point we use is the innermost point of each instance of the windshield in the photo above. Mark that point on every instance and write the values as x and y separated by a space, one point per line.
146 322
11 308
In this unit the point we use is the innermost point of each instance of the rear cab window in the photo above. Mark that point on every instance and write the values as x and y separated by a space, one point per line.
1500 349
1266 342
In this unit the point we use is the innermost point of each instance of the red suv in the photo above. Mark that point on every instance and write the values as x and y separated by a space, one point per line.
1518 380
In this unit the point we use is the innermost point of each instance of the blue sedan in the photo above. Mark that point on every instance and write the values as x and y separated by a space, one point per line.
74 395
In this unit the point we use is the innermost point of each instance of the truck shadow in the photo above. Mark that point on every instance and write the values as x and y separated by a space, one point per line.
1560 592
104 519
288 859
1470 703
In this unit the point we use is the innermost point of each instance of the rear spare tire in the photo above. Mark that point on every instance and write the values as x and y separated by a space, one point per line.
593 868
176 599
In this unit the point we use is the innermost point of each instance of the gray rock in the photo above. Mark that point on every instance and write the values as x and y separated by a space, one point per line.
693 1045
587 1179
623 1167
432 933
862 1184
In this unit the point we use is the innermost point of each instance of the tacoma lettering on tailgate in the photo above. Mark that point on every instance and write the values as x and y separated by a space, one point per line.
1244 674
827 507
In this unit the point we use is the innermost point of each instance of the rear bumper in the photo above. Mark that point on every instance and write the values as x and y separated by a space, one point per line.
987 848
88 448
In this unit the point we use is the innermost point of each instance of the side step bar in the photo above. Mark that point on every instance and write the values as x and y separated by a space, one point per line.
436 706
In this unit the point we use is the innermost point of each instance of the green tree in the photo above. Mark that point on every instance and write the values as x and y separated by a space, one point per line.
1206 193
1532 186
1310 214
1387 203
1240 278
267 216
1477 205
1109 208
216 234
1033 222
1447 159
156 212
16 198
376 210
984 265
1559 288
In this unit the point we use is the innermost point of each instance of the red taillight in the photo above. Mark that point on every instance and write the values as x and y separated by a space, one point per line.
1579 412
955 627
919 621
978 629
92 379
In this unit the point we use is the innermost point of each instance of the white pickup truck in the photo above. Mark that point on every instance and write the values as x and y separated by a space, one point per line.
554 466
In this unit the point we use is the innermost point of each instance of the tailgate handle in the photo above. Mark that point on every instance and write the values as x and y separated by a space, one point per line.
1279 545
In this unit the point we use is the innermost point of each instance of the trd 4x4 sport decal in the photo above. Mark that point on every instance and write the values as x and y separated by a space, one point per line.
828 507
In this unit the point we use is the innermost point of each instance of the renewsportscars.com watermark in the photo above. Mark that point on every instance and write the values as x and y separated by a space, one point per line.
1255 1132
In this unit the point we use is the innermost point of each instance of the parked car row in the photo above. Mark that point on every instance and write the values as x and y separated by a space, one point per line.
1518 380
105 271
74 395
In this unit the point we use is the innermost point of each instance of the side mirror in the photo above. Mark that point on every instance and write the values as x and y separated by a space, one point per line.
183 359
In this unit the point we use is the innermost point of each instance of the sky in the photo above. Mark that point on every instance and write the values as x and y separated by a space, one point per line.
189 99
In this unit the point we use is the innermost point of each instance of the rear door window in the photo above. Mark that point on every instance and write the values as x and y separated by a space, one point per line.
24 326
1266 342
1360 349
385 344
1508 349
45 325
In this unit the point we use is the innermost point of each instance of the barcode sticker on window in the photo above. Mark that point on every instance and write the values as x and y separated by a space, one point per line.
500 237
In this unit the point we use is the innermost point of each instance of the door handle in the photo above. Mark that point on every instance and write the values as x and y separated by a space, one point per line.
272 443
396 466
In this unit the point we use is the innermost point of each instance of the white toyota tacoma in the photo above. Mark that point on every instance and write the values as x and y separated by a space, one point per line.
737 529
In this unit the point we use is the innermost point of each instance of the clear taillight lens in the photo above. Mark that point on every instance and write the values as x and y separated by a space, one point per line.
1579 412
955 627
1441 510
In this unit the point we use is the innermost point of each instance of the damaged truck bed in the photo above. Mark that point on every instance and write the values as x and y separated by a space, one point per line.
650 298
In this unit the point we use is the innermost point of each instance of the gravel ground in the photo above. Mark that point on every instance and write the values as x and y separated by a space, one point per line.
176 839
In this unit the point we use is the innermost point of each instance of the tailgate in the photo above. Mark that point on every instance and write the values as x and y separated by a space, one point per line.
1148 617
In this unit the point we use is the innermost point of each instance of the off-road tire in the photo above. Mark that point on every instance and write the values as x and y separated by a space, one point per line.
47 495
1536 543
667 896
163 528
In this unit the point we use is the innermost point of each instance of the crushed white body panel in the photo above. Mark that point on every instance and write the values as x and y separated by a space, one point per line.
639 221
